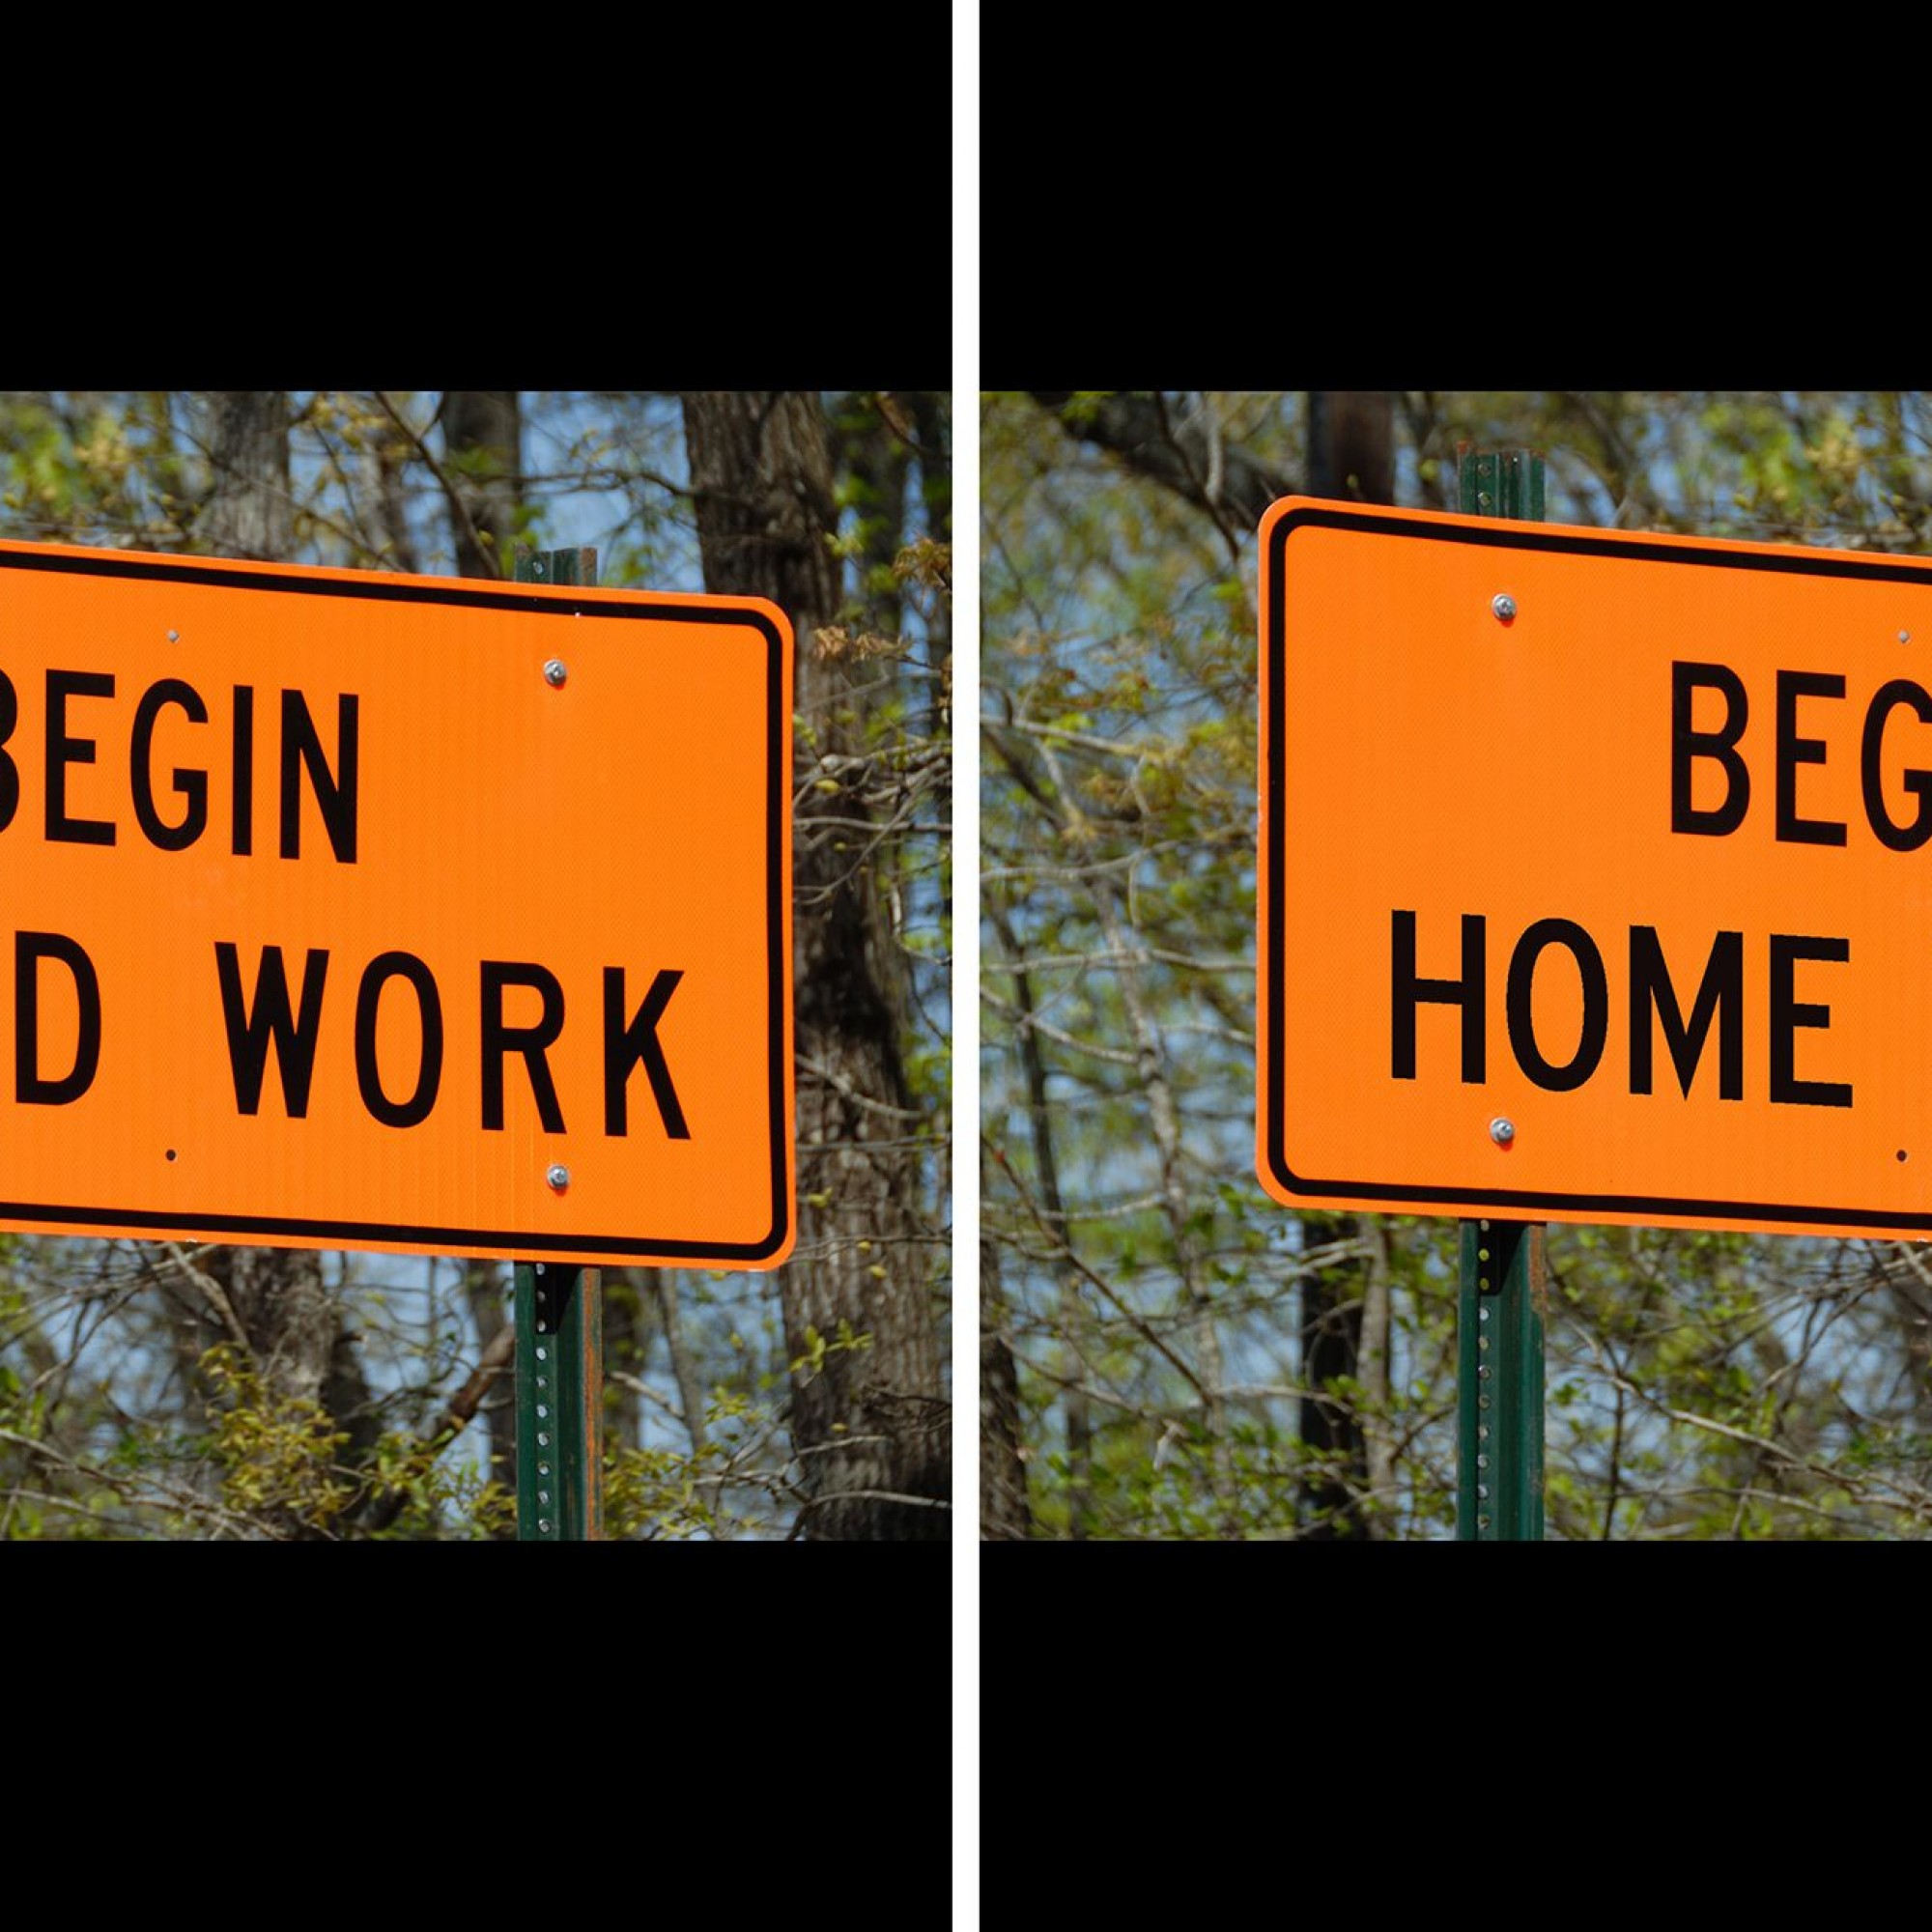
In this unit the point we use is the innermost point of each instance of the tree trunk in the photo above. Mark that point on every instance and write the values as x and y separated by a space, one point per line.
870 1421
385 465
1351 445
1180 450
1004 1514
278 1306
1351 455
250 510
483 439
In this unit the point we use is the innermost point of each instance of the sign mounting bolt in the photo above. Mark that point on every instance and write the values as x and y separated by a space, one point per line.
558 1176
1504 606
174 637
554 672
1502 1131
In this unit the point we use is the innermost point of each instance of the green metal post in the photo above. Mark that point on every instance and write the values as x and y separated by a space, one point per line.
559 1318
559 1399
1503 1293
1499 1402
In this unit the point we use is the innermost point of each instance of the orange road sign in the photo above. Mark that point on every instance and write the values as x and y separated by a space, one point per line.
348 909
1595 875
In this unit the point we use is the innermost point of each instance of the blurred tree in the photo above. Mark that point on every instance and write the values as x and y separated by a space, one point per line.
1169 1323
870 1420
483 434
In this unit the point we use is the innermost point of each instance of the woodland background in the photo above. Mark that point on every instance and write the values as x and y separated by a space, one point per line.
160 1391
1165 1352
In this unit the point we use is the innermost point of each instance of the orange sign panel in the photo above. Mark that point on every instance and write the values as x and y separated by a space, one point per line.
1595 875
346 909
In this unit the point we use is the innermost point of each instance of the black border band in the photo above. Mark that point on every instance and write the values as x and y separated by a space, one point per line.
1503 534
557 600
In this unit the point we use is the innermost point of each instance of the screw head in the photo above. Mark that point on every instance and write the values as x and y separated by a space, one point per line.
554 672
1504 606
1502 1131
174 637
558 1176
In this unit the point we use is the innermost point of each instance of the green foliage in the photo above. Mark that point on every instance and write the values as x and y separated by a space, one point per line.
818 1346
1699 1385
440 1497
279 1454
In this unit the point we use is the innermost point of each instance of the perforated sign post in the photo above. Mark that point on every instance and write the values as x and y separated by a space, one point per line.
1595 881
346 909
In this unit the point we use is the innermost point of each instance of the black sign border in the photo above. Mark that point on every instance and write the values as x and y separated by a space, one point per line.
1502 534
559 602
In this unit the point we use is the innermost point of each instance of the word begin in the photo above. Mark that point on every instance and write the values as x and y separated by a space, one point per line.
79 706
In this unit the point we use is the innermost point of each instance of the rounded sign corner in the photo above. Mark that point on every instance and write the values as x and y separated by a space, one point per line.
1284 510
1271 1184
763 608
776 1250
